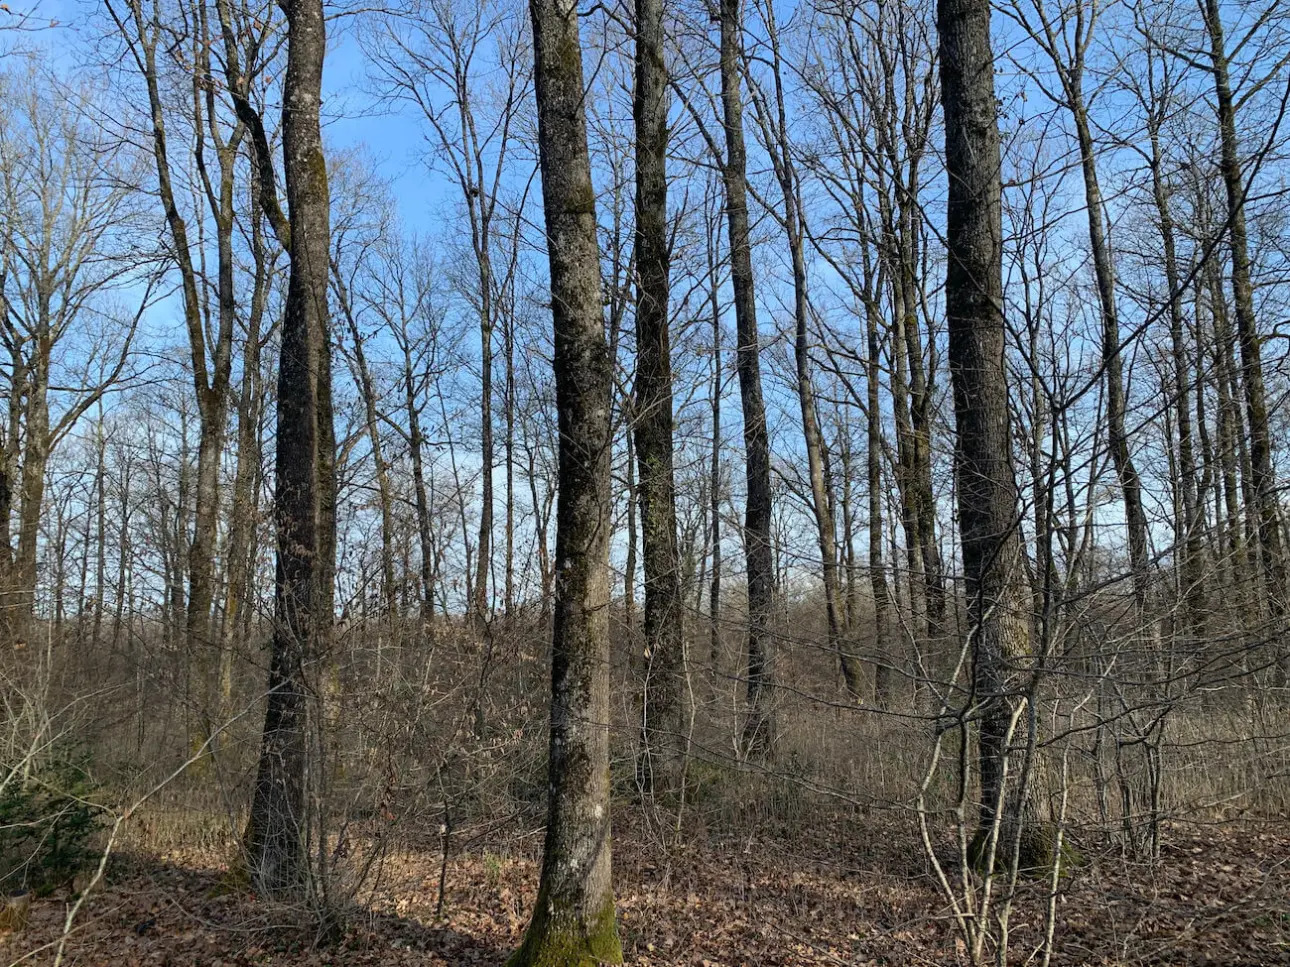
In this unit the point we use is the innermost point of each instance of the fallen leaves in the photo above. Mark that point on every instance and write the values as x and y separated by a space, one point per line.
840 896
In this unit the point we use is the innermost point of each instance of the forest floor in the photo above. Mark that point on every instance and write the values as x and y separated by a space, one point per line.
855 892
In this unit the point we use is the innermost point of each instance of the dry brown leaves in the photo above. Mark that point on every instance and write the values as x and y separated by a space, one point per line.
852 893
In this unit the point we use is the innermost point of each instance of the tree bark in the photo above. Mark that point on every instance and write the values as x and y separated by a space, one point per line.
573 921
989 514
1267 526
758 727
653 423
304 496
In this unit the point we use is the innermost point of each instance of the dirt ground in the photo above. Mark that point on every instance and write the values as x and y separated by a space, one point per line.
853 892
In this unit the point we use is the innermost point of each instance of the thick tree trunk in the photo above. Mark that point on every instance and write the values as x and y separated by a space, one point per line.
758 727
304 496
989 513
652 423
573 921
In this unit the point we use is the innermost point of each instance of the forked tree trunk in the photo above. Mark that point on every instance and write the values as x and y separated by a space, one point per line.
304 509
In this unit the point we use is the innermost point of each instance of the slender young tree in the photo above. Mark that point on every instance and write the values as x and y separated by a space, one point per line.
1065 35
771 112
712 225
573 921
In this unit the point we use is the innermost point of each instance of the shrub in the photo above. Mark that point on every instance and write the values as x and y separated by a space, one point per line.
47 828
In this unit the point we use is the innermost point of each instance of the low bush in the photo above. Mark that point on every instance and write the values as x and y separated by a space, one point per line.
48 827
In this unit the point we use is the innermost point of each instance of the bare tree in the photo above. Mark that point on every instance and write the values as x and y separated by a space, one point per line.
304 500
989 512
759 725
62 256
1267 522
573 919
652 409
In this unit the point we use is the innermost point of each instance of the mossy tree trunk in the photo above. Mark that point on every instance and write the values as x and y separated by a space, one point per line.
573 921
305 465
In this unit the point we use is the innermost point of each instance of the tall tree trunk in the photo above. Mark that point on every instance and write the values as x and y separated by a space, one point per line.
372 425
35 460
633 542
10 477
1067 50
759 726
305 493
1103 269
241 540
1228 428
425 525
1188 532
920 408
714 457
873 465
652 423
573 920
483 561
100 530
989 512
776 131
906 469
1267 526
211 363
509 445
